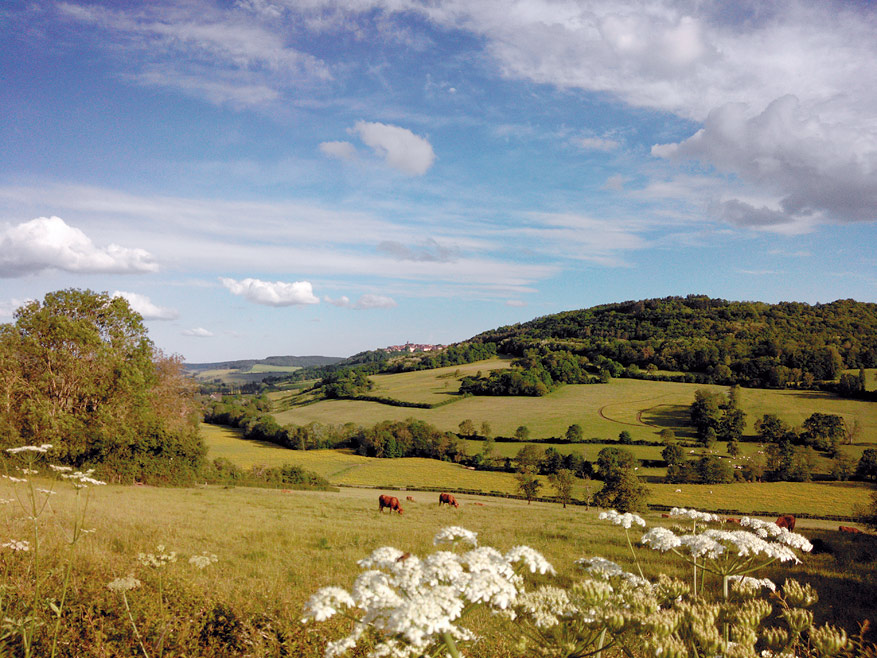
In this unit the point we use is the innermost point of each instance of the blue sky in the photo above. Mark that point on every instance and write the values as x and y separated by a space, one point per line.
268 177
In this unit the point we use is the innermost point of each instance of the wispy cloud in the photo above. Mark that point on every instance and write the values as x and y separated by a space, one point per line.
197 332
365 302
400 148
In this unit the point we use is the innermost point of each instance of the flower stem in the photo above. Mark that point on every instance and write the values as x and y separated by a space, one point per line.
450 644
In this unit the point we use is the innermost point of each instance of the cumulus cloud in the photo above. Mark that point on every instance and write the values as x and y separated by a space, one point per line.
144 306
429 251
48 243
819 169
365 302
399 147
338 150
198 332
277 293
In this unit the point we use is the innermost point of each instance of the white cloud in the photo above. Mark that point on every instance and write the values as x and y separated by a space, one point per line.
277 293
144 306
597 144
365 302
374 301
615 182
339 150
399 147
48 243
198 332
517 303
8 308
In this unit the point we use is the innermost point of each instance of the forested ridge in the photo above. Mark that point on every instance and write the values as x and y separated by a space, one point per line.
750 343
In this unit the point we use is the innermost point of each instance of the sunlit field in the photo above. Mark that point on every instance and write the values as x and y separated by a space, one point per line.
642 408
274 548
343 468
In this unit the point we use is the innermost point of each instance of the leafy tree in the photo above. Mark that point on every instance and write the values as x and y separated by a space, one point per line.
673 454
771 429
625 493
706 411
574 433
866 469
824 431
522 433
733 448
467 428
562 481
552 462
624 438
668 436
528 483
77 370
486 430
711 469
843 466
527 458
611 462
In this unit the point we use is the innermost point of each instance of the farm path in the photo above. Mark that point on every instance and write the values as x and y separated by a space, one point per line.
639 420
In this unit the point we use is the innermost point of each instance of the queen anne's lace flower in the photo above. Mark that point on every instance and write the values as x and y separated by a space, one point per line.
600 566
455 533
202 561
661 539
41 448
129 582
16 545
625 520
694 515
412 601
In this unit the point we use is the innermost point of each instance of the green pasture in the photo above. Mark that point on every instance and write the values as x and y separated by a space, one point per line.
641 407
343 468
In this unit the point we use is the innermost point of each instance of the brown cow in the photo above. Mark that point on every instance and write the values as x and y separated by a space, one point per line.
846 528
389 501
449 499
786 521
410 499
734 519
665 516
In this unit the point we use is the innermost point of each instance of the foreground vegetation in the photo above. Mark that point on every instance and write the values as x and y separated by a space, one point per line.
207 591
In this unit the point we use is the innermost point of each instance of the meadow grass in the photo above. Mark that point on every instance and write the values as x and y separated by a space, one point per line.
641 407
275 548
343 468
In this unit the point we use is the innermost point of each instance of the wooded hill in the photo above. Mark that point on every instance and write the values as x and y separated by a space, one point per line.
749 343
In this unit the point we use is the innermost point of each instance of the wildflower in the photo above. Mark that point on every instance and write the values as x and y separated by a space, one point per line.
454 533
625 520
531 559
159 560
13 479
748 582
48 492
600 566
694 515
16 545
28 471
202 561
6 501
661 539
326 602
82 478
43 448
129 582
60 469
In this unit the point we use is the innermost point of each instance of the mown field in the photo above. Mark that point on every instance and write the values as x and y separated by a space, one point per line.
642 408
343 468
275 548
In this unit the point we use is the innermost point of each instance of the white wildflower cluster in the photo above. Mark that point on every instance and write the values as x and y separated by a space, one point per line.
547 606
28 471
41 448
82 479
16 545
414 603
770 530
60 469
157 560
749 583
694 515
203 561
455 533
600 566
625 520
129 582
13 479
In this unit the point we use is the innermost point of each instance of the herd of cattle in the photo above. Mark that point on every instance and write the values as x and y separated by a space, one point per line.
392 503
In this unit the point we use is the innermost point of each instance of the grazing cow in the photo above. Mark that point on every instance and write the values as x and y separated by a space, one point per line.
821 547
479 504
665 516
846 528
410 499
449 499
786 521
734 519
389 501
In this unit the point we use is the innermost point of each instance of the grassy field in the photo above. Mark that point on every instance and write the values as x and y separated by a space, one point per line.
603 411
275 548
343 468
